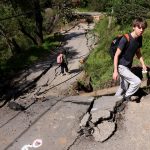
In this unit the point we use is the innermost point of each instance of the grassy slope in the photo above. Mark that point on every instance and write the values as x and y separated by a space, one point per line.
99 64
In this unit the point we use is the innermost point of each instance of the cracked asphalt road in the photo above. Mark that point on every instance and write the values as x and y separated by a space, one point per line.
49 116
55 119
55 122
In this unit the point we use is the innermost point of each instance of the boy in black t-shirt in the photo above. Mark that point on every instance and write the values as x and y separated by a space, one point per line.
129 82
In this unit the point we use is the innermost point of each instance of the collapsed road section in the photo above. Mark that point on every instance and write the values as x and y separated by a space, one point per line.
101 121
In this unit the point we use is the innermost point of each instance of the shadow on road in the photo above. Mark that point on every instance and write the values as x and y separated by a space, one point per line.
72 35
75 70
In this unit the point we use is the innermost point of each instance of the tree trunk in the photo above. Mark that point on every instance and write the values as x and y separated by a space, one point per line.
39 22
110 18
23 30
17 48
52 23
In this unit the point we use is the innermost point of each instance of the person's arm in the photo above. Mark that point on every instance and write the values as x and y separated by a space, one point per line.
139 56
116 58
121 46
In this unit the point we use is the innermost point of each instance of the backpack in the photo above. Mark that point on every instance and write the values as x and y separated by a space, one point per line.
59 58
115 43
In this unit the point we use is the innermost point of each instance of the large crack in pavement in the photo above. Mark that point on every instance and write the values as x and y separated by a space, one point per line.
100 121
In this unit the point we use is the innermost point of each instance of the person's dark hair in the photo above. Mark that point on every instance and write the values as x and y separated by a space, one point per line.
139 22
60 52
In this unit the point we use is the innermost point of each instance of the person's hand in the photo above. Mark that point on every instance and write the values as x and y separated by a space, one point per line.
115 75
144 68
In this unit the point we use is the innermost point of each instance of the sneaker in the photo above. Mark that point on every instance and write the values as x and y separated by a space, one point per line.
62 74
135 98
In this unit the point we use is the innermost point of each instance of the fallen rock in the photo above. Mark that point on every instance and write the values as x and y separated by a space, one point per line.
107 103
103 131
100 115
84 120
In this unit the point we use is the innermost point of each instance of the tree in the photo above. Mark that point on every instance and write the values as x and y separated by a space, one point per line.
126 10
6 32
39 22
123 10
32 6
59 12
26 18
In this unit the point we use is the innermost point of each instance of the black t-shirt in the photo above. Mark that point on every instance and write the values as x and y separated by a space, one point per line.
128 50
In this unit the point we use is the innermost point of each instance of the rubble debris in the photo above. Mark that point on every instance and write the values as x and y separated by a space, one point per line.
100 121
107 103
84 120
15 106
100 115
103 131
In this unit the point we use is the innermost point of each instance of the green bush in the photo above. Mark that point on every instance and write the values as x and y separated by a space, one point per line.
127 12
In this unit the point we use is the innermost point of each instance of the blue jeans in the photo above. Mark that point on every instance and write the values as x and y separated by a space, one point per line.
129 82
